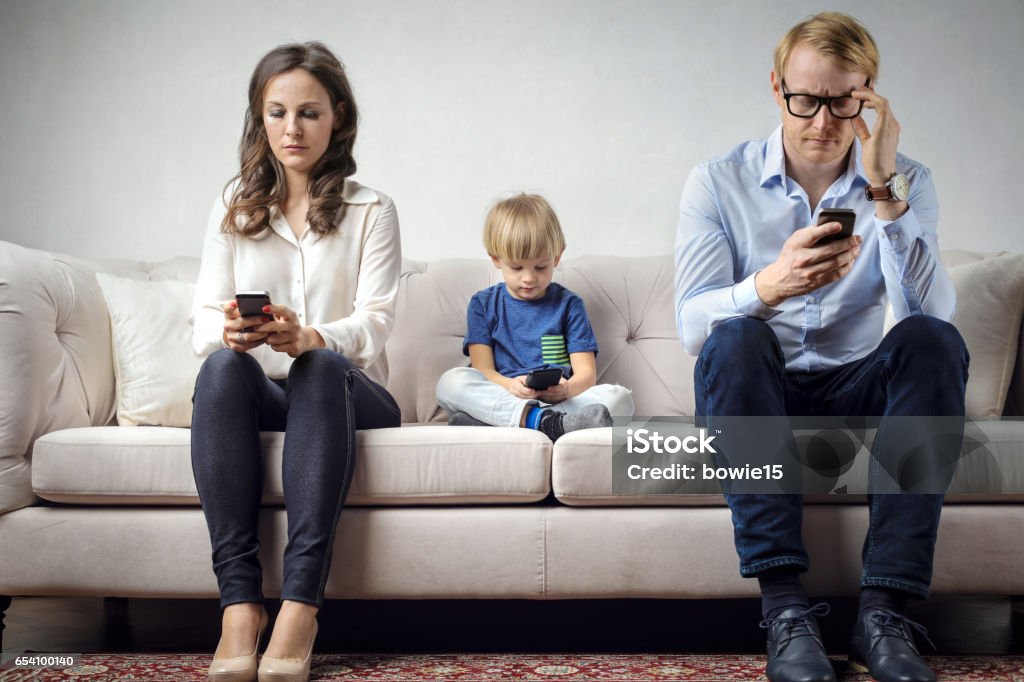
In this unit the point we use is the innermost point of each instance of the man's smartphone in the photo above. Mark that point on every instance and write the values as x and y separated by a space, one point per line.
250 303
539 379
846 217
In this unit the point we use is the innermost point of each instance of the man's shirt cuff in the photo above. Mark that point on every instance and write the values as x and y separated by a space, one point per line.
748 303
896 236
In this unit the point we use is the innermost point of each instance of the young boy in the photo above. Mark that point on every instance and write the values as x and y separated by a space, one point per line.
528 323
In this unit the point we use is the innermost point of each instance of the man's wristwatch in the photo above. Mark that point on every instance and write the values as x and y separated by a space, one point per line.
897 189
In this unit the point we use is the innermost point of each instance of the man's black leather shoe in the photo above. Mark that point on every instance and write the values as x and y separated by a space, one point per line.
795 651
883 645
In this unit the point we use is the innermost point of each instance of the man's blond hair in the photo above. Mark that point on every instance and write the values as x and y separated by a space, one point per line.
523 227
838 37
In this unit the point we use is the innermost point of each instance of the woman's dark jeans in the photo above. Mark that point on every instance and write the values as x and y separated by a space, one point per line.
918 370
320 406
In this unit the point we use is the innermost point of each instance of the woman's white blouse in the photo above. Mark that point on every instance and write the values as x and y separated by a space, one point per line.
343 284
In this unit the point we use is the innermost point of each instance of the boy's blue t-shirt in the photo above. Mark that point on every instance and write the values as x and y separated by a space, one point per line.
529 335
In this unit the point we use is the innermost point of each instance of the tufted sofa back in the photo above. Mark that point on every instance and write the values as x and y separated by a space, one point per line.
628 300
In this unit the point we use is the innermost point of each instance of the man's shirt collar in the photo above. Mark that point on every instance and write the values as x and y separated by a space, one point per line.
775 164
774 159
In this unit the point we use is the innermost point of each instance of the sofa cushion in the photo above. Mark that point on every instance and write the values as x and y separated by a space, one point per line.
401 466
990 302
154 367
630 302
989 307
430 322
991 469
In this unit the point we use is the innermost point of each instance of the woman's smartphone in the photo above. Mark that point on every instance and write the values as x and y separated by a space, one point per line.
250 303
539 379
846 217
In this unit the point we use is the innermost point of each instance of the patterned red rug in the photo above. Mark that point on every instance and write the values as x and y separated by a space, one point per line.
471 667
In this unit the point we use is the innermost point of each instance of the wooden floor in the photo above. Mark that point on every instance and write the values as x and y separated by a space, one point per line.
957 625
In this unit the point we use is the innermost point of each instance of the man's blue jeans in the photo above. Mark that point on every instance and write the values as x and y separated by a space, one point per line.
919 369
320 406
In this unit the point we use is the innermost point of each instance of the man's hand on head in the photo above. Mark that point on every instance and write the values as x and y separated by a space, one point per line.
878 148
878 145
803 267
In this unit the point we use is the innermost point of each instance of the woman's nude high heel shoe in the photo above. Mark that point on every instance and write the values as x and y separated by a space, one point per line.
239 668
283 670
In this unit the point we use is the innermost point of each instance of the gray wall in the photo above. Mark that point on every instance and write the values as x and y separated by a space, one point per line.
120 118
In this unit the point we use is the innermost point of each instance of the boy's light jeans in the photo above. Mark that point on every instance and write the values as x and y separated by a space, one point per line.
465 389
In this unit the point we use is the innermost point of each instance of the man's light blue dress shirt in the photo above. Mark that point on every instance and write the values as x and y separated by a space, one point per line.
737 211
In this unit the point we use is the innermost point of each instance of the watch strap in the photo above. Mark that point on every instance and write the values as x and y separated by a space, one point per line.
883 193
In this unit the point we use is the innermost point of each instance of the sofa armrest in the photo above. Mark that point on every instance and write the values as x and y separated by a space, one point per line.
55 358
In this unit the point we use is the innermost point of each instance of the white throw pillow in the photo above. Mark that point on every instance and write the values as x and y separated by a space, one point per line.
989 301
154 366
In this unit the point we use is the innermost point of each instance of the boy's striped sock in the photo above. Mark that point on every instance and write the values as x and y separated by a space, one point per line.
548 422
533 418
555 424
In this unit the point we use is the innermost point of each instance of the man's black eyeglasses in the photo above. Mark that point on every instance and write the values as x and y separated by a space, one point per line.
805 105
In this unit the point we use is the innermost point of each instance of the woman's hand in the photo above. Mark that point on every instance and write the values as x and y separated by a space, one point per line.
557 393
517 387
285 334
238 333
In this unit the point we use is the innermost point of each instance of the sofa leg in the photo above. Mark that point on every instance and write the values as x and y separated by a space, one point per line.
4 603
117 629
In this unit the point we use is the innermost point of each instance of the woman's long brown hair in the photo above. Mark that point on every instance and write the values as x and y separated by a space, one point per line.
260 183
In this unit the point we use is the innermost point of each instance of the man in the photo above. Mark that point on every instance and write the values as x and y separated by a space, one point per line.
785 324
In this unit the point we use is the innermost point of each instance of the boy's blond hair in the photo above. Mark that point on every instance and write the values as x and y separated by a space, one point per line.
523 227
838 37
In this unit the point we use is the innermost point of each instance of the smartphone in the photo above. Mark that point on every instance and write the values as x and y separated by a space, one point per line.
539 379
846 217
250 303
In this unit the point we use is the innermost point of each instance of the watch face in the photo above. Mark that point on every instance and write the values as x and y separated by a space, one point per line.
900 187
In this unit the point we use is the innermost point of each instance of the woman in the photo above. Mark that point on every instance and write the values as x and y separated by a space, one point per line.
313 365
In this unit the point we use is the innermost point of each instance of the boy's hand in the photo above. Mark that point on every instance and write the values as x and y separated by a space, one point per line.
557 393
517 387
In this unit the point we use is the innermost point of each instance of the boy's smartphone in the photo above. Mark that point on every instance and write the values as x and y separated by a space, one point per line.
250 303
539 379
846 217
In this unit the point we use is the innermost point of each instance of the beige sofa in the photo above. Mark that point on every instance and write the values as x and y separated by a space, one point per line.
91 508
